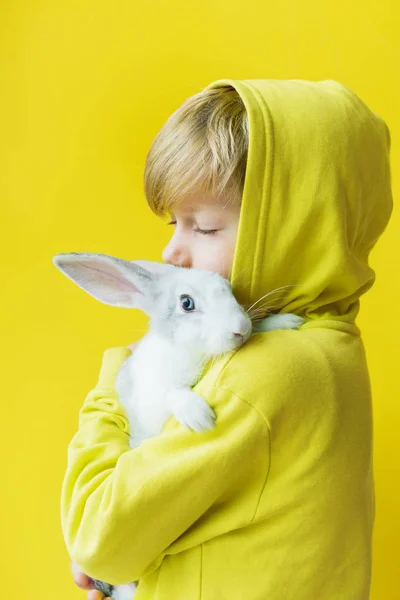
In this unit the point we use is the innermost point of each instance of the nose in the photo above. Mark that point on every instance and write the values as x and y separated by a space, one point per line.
242 332
176 254
239 336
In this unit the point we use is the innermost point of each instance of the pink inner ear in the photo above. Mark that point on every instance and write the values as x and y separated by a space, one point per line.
106 281
108 275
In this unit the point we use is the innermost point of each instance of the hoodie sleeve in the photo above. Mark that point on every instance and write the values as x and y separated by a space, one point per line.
121 508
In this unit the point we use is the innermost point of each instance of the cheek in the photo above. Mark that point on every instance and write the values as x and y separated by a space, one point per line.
216 256
227 259
226 249
187 328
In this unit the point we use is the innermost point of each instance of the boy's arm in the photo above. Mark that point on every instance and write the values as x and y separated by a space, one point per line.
121 508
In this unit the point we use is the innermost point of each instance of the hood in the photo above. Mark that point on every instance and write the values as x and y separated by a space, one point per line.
316 197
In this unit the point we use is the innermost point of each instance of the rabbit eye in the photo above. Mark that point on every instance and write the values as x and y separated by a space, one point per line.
187 303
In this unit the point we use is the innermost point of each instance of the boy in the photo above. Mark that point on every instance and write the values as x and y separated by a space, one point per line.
276 184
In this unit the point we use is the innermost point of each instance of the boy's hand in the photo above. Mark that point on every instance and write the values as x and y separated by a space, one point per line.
85 583
132 346
96 595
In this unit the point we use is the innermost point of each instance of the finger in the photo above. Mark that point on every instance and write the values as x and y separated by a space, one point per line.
95 595
83 581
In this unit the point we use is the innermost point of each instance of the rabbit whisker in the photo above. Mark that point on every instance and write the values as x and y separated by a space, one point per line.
269 293
261 309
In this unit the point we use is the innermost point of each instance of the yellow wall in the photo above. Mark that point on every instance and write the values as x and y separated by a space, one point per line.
85 86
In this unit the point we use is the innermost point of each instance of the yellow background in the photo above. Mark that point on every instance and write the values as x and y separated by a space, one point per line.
84 88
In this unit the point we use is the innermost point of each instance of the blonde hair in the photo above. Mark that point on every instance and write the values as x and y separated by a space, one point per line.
201 147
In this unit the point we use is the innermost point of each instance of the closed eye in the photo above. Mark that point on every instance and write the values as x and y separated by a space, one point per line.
198 230
205 231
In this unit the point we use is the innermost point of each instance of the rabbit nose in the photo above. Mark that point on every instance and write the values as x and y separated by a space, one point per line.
239 335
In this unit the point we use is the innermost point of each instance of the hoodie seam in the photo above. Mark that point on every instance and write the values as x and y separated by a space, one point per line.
267 425
263 418
218 386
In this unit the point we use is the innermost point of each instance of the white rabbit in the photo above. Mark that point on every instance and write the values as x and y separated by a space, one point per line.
193 318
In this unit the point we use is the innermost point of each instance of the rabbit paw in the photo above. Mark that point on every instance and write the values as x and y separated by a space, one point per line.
281 321
191 410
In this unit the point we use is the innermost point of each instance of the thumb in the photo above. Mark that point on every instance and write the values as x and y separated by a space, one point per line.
83 581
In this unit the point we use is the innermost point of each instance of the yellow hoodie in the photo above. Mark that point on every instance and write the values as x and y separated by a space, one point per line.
276 502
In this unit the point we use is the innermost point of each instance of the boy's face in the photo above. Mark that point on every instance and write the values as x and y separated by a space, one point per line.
191 246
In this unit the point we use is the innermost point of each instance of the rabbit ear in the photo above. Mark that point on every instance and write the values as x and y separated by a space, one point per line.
155 267
111 280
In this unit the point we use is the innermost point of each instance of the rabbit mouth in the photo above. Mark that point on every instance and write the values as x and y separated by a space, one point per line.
238 339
